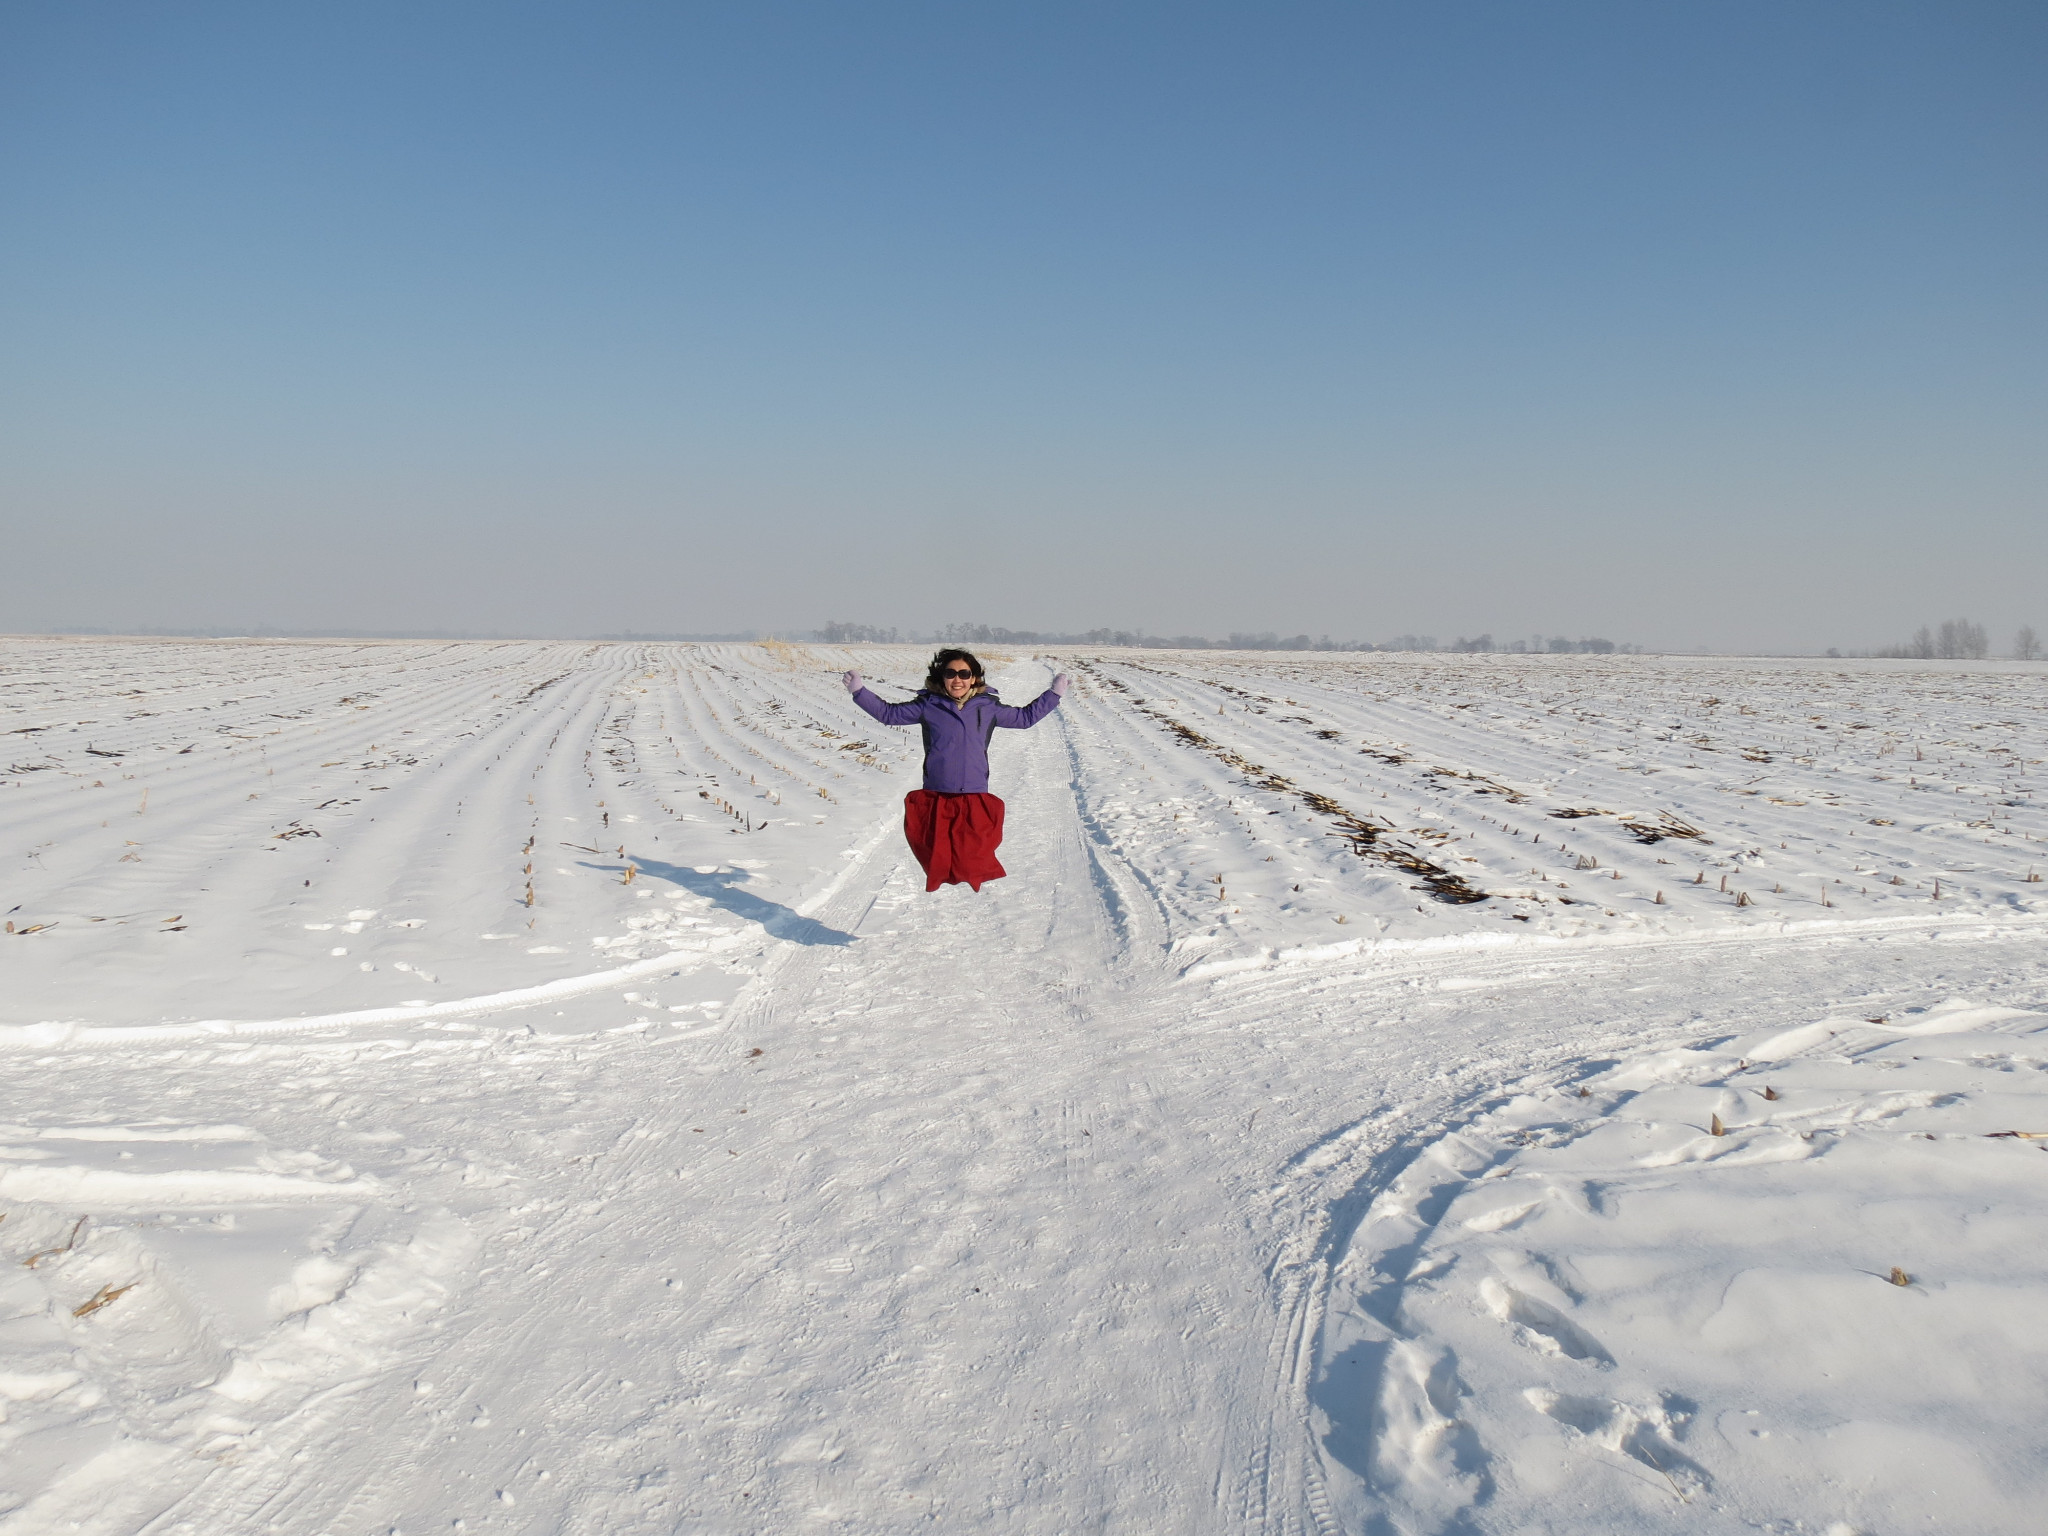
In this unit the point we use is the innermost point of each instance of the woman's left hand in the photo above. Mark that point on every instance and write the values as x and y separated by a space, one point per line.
1061 684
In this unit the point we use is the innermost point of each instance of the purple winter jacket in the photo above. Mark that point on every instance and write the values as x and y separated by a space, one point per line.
956 735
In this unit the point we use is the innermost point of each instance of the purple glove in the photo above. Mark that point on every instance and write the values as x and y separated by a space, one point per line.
852 680
1061 684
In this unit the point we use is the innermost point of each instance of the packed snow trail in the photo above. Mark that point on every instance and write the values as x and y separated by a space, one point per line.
1040 1210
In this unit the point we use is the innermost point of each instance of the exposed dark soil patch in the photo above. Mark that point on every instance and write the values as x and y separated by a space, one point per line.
1641 828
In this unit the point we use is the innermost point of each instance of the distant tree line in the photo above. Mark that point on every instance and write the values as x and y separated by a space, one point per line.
1956 640
1556 645
1959 640
634 635
839 632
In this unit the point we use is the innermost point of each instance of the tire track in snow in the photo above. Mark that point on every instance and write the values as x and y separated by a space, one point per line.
1326 1188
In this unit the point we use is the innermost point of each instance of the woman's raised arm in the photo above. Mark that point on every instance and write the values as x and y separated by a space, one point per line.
1017 717
881 708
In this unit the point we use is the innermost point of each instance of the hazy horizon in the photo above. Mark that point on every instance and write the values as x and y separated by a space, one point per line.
1703 330
1483 644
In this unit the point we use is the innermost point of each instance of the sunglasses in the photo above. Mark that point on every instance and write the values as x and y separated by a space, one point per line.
956 672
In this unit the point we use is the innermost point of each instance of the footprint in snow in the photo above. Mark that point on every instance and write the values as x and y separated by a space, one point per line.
1642 1434
1540 1325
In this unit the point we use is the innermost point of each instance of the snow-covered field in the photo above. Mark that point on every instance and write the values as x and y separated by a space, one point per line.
526 1088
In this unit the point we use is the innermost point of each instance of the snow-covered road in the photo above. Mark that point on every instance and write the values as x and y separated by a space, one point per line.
612 1135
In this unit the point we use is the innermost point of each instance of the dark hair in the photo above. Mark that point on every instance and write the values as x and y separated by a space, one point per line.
935 679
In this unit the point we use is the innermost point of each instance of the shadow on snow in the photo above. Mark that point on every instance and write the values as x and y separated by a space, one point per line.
721 889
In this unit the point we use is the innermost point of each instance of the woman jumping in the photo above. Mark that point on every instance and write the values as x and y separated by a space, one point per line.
954 823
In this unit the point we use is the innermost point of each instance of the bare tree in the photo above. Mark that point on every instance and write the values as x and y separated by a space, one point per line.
1960 640
2025 647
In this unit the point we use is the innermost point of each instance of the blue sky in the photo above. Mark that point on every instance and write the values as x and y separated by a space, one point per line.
1694 325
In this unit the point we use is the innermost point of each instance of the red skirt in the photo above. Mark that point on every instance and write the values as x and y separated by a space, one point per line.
954 837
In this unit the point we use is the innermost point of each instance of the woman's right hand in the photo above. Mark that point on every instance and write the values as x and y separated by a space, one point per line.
852 680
